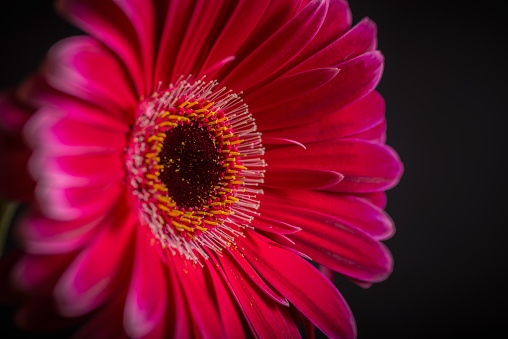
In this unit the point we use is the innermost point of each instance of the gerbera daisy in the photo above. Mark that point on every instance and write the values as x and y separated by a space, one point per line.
191 160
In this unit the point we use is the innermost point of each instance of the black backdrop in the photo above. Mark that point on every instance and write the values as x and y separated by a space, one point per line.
444 85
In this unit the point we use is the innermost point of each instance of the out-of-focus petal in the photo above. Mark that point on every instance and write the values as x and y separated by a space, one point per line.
85 69
106 21
97 271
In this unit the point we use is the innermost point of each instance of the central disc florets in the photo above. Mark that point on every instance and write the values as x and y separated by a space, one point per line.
192 165
187 162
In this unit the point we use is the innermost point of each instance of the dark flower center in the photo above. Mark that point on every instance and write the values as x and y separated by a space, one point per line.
192 166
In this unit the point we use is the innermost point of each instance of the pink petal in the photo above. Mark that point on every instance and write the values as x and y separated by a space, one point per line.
90 169
355 211
358 117
105 21
99 269
85 69
41 235
71 203
305 287
357 41
37 92
285 89
335 243
145 305
50 132
279 49
366 166
247 268
357 78
256 305
303 179
237 29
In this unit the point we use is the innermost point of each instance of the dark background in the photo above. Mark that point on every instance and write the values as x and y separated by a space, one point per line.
444 85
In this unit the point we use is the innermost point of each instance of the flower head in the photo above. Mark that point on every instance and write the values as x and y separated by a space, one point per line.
190 158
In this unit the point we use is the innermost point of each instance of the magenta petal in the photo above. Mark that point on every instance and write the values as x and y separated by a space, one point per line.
366 166
91 169
194 45
232 318
145 305
256 305
15 182
358 117
178 15
274 226
303 179
39 273
37 92
359 40
105 21
305 287
106 323
376 134
247 268
357 78
279 49
336 244
337 22
142 16
82 67
353 210
71 203
286 88
239 26
192 283
41 235
98 270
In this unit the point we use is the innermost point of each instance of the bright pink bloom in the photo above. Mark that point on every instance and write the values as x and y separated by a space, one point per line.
170 204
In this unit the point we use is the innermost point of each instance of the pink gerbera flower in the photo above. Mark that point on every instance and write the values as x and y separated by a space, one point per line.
189 157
